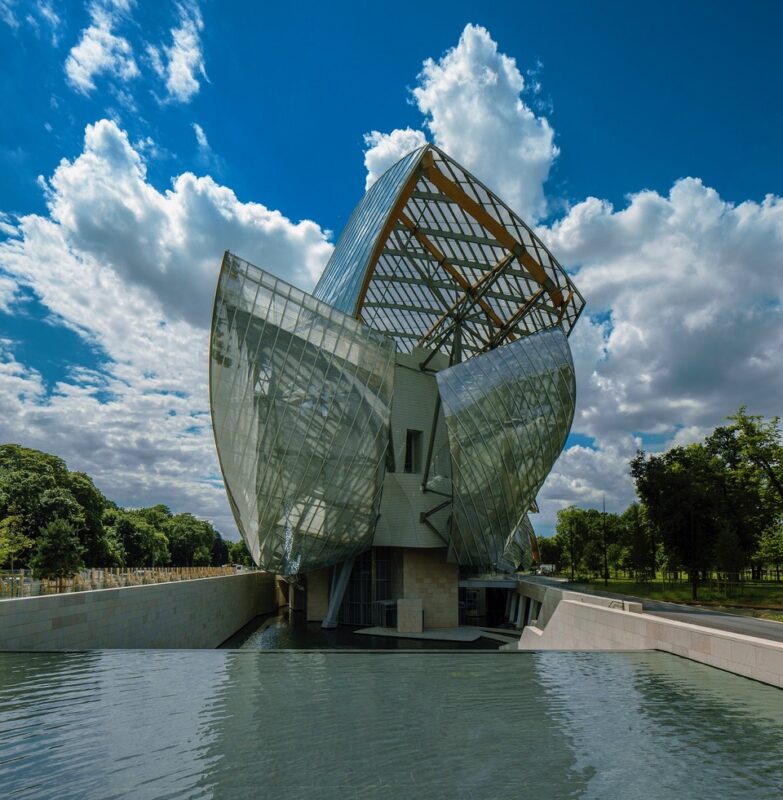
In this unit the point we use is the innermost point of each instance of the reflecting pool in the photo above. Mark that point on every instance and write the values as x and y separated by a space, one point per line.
404 724
287 630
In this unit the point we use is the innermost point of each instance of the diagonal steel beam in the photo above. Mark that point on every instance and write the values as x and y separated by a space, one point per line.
505 331
475 292
450 270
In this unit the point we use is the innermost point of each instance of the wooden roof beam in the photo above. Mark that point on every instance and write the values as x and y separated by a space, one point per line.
496 228
505 332
468 238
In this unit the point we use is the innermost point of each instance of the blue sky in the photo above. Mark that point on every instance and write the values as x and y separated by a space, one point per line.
684 89
142 139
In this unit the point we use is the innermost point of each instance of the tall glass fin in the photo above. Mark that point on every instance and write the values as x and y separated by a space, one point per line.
508 413
344 275
301 398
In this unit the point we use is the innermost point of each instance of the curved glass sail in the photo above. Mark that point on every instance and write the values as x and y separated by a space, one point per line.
518 552
508 413
431 263
342 278
300 397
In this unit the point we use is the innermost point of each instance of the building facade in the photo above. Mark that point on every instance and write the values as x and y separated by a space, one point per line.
387 435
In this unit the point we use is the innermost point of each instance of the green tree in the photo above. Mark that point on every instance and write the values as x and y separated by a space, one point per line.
550 551
219 554
759 441
190 540
141 544
571 533
617 556
748 503
58 551
13 541
97 549
641 552
680 491
730 555
158 516
605 544
770 550
37 487
239 554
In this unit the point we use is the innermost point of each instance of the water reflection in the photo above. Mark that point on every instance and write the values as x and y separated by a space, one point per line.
235 724
106 724
398 725
665 727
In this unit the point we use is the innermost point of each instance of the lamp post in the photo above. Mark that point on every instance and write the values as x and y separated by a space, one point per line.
606 544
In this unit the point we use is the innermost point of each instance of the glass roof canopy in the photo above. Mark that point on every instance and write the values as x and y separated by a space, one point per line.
430 250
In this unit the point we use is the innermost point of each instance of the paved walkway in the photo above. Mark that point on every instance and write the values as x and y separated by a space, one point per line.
696 615
465 633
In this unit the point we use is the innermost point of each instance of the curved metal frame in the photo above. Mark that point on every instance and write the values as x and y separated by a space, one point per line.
440 250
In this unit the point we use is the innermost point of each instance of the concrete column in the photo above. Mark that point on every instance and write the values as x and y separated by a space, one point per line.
519 620
516 601
317 594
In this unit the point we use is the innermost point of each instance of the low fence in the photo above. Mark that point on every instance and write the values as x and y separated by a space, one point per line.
22 583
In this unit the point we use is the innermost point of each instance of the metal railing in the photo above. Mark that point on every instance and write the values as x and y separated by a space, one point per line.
22 583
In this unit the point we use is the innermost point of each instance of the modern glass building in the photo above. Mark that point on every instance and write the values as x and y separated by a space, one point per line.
385 438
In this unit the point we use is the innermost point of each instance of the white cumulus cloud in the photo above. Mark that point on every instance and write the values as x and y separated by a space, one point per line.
471 99
170 242
100 50
181 64
386 149
683 325
135 274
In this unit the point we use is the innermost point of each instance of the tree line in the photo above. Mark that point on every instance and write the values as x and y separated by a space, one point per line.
715 506
56 521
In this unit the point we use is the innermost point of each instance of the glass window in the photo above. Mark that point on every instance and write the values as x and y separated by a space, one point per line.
413 444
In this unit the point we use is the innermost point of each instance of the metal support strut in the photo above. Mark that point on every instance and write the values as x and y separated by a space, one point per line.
339 586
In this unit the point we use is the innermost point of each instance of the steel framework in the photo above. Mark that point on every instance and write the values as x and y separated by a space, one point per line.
301 386
430 249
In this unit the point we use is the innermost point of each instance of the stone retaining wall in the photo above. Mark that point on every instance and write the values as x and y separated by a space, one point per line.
574 621
199 613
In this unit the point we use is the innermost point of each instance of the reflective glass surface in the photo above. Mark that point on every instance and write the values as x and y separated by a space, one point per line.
518 548
507 413
343 276
300 397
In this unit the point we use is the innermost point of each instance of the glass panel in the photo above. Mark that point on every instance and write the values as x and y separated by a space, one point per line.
343 276
301 398
508 413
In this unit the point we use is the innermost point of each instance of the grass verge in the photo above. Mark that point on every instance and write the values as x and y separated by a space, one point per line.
767 597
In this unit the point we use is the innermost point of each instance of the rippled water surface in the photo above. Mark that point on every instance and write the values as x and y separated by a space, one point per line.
235 724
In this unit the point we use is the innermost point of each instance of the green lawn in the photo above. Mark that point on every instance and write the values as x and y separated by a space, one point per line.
766 595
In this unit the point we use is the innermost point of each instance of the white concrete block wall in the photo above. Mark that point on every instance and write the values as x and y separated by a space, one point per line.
585 622
402 501
181 614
